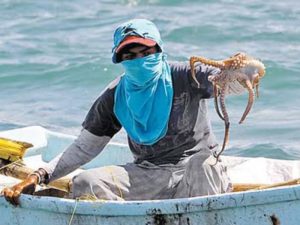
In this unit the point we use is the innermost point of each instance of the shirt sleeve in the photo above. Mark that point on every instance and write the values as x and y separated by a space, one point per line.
86 147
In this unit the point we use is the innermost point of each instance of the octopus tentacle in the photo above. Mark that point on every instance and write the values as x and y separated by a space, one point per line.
226 119
256 90
255 82
250 99
194 59
223 108
192 65
209 62
225 141
216 90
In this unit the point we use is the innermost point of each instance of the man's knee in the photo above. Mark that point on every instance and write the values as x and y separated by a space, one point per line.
82 185
89 185
200 161
81 179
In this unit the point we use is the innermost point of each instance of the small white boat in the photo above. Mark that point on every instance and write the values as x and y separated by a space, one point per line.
261 207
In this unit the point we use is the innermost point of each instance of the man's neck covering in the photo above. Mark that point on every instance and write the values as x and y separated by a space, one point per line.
143 97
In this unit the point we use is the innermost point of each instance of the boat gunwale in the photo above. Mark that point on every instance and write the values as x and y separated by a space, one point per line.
148 207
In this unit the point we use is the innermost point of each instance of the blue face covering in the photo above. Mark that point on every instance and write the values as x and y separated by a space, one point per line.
143 97
148 69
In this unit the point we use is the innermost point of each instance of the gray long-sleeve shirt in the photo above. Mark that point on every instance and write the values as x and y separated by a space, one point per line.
189 128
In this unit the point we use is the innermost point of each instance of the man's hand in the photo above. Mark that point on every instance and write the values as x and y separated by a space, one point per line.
27 186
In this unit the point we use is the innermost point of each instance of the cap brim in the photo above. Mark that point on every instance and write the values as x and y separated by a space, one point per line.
135 40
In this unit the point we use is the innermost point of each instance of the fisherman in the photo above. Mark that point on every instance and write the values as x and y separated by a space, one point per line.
165 116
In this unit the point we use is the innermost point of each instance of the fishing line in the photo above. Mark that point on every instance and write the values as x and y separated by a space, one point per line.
74 210
115 181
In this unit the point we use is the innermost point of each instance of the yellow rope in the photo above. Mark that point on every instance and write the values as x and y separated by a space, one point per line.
74 210
109 168
88 197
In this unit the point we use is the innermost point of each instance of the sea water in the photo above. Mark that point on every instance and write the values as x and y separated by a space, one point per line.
55 60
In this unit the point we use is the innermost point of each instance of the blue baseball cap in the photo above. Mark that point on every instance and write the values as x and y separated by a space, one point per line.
140 31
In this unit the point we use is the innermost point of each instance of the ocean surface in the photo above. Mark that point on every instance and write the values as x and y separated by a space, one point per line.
55 59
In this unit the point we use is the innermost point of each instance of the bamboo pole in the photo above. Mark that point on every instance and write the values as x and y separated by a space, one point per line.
245 187
11 154
20 171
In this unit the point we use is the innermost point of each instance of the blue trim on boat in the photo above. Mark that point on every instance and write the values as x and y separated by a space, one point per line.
172 206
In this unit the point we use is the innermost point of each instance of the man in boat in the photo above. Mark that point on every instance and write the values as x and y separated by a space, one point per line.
164 113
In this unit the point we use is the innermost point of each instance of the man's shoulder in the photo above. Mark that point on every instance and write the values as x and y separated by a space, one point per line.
180 74
109 90
113 84
179 68
106 97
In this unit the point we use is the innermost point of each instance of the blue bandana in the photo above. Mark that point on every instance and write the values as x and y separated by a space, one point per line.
143 97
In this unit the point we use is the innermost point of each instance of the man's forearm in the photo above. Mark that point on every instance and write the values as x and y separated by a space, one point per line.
86 147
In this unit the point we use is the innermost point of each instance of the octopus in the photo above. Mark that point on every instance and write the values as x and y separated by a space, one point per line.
240 68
